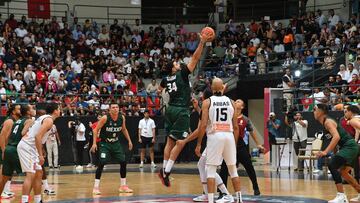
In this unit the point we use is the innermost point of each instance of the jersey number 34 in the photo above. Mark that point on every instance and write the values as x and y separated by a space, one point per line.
171 87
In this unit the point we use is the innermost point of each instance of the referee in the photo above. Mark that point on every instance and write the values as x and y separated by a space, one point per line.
146 138
242 153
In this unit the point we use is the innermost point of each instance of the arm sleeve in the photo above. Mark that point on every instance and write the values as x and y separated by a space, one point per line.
153 124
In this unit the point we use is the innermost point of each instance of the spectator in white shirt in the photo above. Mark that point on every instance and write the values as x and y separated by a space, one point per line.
29 76
90 41
333 19
2 92
56 71
21 31
101 48
18 82
345 74
279 48
187 58
146 138
319 97
39 49
137 36
78 130
120 81
320 18
255 40
77 65
352 71
169 44
155 50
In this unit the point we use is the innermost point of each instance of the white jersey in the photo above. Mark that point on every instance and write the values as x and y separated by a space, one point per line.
29 138
221 112
51 134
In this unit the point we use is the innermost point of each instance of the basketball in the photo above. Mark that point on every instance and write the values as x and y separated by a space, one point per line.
208 31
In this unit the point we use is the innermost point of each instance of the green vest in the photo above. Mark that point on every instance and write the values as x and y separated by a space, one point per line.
16 130
178 89
111 131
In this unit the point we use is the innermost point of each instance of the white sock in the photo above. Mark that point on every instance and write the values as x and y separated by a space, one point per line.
164 164
211 197
24 198
223 189
169 166
97 183
238 196
141 162
152 163
205 190
7 186
37 198
123 181
45 184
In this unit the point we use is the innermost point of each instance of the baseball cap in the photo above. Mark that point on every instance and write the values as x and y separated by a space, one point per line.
272 114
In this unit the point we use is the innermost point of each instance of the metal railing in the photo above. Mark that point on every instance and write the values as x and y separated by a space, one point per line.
333 99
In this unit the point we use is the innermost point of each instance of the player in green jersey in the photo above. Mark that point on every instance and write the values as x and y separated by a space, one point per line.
177 115
11 161
111 127
341 163
14 113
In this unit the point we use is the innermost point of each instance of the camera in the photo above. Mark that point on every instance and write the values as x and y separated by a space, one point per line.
291 114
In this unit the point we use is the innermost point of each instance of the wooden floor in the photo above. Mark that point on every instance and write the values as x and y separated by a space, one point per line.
71 185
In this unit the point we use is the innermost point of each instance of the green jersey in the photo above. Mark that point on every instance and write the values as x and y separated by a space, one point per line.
16 130
112 129
178 87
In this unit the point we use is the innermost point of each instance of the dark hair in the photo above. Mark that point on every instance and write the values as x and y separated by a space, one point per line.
353 109
323 107
113 102
11 109
207 94
51 107
169 65
24 109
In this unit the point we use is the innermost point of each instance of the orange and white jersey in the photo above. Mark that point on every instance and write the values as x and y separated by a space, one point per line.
221 112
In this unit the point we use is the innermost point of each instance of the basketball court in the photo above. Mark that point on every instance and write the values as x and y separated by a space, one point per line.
73 186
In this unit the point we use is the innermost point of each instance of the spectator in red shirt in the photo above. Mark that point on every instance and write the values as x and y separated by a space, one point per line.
354 84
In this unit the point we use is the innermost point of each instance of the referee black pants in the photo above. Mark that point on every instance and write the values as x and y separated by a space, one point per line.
243 157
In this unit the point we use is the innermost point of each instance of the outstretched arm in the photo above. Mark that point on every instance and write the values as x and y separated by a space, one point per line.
197 54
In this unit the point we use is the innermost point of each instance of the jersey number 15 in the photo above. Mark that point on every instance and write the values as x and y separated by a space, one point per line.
221 114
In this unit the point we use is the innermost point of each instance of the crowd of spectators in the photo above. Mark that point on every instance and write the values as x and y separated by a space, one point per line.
311 40
85 65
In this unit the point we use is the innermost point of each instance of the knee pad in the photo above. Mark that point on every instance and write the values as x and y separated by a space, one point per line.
210 171
233 171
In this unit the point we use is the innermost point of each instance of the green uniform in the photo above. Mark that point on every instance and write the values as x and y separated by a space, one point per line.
110 147
177 115
1 161
349 150
11 159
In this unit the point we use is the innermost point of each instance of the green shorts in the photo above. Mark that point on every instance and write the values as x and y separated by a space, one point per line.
349 151
11 161
111 152
177 122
